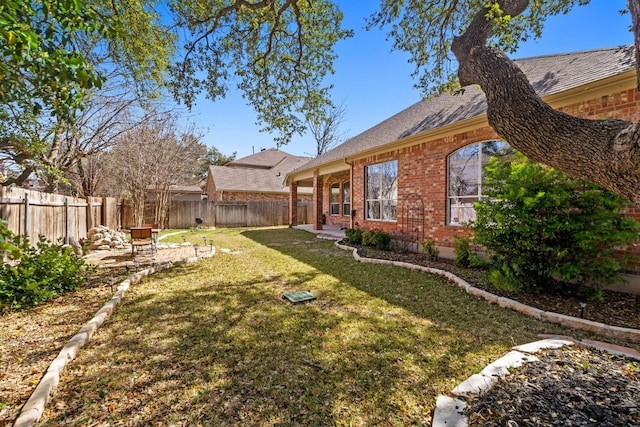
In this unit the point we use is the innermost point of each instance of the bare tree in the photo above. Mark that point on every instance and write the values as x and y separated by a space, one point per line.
325 128
154 157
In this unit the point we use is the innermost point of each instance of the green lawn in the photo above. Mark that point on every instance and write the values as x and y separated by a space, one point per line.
214 343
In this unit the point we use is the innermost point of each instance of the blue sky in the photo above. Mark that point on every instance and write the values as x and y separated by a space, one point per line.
376 83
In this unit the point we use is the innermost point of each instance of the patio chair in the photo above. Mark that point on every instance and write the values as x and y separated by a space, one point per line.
141 236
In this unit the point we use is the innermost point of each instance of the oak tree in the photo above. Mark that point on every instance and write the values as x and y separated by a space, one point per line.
56 58
278 53
606 152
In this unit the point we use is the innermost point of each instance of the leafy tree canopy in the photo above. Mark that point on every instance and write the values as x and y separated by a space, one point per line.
426 31
216 157
40 66
278 51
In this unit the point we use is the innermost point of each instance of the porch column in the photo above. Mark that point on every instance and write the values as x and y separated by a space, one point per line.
317 201
293 204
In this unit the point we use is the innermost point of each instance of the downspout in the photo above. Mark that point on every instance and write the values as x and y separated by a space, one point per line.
350 192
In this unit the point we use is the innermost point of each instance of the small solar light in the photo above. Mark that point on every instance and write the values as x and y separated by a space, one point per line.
184 239
583 305
204 240
195 248
111 283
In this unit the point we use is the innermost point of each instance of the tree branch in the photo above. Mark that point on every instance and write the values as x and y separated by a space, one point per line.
606 152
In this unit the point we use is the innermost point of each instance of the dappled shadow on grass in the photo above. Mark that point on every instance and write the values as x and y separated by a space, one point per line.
214 343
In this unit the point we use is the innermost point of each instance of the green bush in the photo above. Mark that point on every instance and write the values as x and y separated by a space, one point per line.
367 237
465 256
545 229
353 236
379 239
39 273
430 250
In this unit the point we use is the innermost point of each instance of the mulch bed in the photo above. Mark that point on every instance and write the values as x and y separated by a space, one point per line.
571 386
32 338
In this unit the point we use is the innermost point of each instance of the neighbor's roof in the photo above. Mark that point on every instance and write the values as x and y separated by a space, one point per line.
548 74
257 179
264 159
180 188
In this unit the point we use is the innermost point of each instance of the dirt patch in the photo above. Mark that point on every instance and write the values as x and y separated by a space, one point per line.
32 338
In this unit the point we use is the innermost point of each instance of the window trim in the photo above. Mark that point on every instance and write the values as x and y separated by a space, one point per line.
380 200
346 204
479 178
333 204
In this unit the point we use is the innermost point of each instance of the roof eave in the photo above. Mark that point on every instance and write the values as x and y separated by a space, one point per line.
622 81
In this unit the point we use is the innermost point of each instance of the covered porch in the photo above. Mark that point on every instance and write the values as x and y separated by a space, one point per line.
332 197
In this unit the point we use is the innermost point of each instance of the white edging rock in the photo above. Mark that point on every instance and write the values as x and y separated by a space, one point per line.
627 334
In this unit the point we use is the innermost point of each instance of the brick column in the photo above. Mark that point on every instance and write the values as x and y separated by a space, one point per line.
317 201
293 204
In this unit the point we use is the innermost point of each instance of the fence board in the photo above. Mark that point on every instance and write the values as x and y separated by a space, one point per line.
54 216
183 214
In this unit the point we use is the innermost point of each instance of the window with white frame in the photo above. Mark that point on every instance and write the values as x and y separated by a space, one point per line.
382 191
466 172
346 198
335 199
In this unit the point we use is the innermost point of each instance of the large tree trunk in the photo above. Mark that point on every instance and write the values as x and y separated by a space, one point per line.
606 152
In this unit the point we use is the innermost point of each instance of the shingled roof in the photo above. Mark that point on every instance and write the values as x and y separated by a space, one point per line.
549 75
260 172
263 159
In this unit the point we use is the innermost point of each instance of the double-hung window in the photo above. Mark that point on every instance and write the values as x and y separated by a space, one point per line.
346 198
382 191
335 199
466 174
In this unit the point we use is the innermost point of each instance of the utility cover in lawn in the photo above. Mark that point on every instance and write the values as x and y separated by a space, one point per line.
299 296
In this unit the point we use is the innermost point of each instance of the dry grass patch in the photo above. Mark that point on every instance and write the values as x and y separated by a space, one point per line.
214 343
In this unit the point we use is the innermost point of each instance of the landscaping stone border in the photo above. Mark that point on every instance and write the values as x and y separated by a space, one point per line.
449 411
627 334
35 405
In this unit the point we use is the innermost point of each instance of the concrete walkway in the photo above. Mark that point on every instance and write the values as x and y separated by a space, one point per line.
328 231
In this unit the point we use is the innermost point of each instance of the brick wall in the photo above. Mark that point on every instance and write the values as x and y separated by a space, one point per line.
421 175
422 170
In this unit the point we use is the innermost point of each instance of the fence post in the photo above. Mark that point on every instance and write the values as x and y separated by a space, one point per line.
104 212
26 215
89 214
66 220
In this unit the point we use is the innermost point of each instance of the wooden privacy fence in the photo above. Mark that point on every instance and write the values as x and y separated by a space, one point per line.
57 217
183 214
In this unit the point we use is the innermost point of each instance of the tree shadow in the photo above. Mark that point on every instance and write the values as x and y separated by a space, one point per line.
218 349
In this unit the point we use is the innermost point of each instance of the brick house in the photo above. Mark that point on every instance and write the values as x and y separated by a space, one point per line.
255 178
417 173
